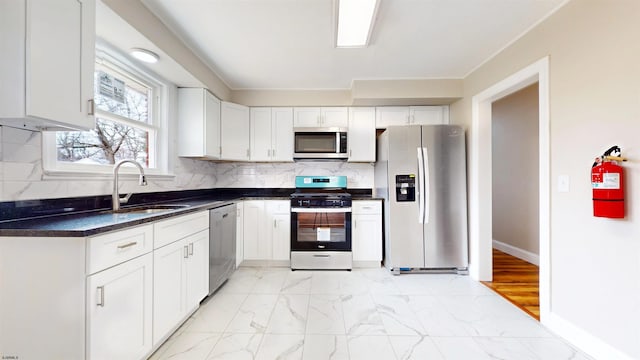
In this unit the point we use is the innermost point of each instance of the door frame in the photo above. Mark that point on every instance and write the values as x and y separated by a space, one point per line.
480 214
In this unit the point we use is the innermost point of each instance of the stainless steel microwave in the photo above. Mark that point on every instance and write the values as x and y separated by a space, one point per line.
320 143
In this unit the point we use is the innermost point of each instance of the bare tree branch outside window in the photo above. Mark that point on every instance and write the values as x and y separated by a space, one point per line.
111 140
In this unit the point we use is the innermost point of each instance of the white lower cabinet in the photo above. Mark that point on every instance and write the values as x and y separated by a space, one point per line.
119 310
266 230
366 235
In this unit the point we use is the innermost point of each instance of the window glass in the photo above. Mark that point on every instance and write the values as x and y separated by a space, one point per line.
124 126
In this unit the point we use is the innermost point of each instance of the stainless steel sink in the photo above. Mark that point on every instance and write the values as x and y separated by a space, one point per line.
149 209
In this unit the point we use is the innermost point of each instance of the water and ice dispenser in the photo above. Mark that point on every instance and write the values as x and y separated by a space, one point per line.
406 187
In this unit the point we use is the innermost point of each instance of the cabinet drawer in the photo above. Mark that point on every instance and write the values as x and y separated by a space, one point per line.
168 231
366 207
278 206
119 246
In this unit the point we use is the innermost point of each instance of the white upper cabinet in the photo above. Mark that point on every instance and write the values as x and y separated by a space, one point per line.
199 124
362 134
271 134
47 63
411 115
428 115
321 117
235 133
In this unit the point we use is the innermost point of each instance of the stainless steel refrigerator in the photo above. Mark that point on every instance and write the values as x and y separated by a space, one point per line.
421 174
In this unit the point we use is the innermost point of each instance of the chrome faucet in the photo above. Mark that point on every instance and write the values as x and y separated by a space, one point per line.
116 200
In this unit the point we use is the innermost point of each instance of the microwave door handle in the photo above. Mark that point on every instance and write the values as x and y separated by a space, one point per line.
337 141
420 185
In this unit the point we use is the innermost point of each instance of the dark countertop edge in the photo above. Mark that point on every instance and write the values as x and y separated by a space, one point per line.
205 201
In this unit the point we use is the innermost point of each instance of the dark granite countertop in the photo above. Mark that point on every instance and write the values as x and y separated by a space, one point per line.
87 216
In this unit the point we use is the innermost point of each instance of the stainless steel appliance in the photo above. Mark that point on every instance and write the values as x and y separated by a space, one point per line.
320 143
321 223
421 174
222 245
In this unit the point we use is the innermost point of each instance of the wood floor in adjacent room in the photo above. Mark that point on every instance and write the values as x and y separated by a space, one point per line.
517 281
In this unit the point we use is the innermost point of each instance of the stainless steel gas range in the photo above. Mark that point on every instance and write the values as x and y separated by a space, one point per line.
321 223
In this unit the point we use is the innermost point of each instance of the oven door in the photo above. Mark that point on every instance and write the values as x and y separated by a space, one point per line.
321 229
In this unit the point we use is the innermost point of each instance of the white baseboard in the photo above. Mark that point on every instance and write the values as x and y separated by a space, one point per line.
517 252
583 340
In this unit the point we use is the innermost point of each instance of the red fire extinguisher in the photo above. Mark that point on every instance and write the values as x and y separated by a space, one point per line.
607 181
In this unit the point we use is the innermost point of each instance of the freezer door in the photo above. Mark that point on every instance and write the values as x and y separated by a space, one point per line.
405 245
445 225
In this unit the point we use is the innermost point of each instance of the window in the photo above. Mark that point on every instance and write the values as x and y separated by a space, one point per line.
128 125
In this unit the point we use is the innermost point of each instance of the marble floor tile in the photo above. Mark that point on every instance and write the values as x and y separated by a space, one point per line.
253 315
325 347
284 347
217 312
553 348
361 316
274 313
290 315
325 315
458 348
505 348
415 348
270 281
297 282
236 347
370 347
397 316
191 346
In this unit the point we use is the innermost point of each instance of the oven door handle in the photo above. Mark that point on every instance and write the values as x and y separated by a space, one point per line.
321 210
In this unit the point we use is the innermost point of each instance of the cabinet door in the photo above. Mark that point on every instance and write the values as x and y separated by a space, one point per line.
197 285
334 117
211 126
169 284
119 311
428 115
367 237
362 134
306 117
257 242
261 134
281 236
235 135
59 68
282 134
391 116
239 233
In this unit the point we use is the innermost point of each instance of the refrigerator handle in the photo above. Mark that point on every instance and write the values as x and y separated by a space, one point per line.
420 185
427 194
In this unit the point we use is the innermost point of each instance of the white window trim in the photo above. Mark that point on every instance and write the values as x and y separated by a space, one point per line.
52 169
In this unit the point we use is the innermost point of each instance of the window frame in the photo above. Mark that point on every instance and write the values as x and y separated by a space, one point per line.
158 111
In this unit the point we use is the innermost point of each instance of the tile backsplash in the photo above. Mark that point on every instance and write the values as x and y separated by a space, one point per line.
21 173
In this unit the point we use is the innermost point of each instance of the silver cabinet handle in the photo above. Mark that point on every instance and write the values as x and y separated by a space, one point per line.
186 251
225 215
100 296
274 223
248 152
323 256
366 207
268 152
92 107
273 152
355 224
190 248
124 246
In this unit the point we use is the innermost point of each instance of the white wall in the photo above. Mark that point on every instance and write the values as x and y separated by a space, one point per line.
594 103
514 148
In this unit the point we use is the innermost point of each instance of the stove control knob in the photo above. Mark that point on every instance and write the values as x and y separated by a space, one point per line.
299 202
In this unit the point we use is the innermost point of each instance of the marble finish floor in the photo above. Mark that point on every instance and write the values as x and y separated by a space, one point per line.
274 313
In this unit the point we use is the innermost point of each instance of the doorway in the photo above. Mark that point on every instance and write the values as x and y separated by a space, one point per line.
480 175
515 225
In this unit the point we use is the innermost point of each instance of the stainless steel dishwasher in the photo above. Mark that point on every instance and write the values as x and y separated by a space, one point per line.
222 245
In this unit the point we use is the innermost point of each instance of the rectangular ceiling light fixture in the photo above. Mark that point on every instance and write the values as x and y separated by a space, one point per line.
355 22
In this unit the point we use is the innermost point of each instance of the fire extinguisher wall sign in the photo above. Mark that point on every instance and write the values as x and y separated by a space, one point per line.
607 182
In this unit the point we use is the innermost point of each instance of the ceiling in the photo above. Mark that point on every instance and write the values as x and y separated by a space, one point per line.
288 44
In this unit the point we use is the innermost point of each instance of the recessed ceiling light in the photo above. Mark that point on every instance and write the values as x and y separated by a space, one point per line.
144 55
355 22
